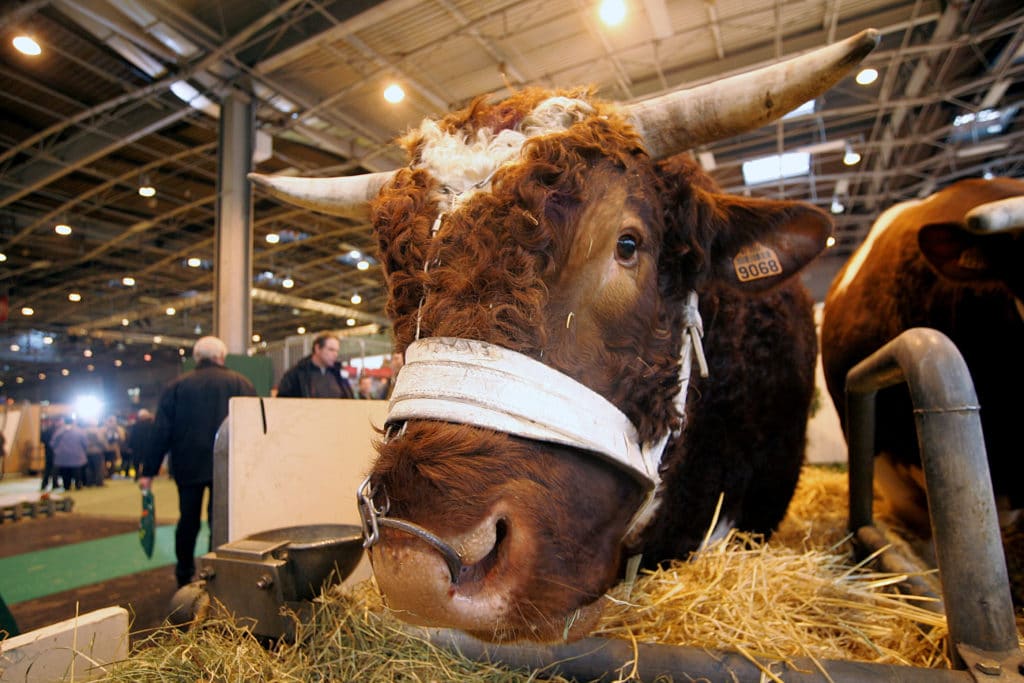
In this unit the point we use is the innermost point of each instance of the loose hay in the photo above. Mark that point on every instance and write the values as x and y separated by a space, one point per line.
795 596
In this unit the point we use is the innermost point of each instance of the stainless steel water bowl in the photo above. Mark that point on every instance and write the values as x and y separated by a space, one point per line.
315 550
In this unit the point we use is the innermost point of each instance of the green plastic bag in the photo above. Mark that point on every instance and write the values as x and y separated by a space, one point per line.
147 523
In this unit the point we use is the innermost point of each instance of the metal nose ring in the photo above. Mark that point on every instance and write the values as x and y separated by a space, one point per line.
373 517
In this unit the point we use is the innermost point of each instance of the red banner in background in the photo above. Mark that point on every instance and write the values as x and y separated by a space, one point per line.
4 303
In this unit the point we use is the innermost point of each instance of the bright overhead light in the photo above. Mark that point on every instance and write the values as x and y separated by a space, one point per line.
65 372
90 367
394 93
777 166
272 238
837 207
351 322
87 353
194 262
867 76
118 362
3 257
42 376
612 12
355 254
62 229
851 157
170 310
47 340
74 296
28 310
147 357
256 338
300 330
287 282
15 348
128 281
830 241
157 339
363 265
27 46
146 188
125 322
356 299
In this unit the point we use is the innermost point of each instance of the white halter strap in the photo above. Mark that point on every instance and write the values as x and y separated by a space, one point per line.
475 383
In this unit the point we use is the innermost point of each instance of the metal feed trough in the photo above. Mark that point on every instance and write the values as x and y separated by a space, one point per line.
256 576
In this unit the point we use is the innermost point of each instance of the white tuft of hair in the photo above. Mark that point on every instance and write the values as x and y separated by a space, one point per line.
464 164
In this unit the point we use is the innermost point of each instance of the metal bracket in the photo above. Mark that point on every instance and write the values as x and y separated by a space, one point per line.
993 667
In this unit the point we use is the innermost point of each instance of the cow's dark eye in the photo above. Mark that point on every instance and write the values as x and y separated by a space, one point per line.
625 248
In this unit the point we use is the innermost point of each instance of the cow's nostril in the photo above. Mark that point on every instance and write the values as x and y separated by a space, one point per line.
473 575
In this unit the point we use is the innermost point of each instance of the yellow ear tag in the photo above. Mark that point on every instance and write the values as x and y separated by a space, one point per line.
756 261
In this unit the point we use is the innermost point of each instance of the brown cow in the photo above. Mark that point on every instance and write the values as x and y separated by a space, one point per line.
542 267
922 267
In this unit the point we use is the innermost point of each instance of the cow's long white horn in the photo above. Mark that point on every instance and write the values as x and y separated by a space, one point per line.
681 120
1005 215
347 196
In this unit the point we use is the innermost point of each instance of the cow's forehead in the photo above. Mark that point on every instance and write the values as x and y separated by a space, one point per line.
463 161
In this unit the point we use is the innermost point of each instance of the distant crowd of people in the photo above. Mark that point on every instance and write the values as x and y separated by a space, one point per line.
85 452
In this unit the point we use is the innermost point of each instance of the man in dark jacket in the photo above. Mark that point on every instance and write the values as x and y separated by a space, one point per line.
318 375
190 411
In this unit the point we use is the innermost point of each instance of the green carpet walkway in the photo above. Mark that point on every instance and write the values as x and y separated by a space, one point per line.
44 572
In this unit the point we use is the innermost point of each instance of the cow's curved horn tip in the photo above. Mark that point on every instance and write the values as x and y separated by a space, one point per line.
870 37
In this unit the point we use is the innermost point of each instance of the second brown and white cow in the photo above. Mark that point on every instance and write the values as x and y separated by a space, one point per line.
952 262
545 255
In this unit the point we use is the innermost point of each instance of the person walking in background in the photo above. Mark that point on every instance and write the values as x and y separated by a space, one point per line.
113 435
190 411
139 435
318 375
69 444
48 429
366 388
96 445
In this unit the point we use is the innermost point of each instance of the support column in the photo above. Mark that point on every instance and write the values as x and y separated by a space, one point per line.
232 306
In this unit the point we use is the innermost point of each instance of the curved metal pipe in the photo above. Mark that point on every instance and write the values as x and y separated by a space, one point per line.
972 567
611 659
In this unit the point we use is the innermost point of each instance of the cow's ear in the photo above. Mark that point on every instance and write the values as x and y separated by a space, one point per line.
954 252
764 242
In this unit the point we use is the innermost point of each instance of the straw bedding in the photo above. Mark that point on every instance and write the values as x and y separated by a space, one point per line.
795 596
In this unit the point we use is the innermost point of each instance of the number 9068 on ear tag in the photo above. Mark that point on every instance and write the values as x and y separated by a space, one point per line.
756 261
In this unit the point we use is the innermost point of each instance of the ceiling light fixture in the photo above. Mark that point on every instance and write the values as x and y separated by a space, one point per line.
830 241
394 93
147 357
90 367
47 340
128 281
351 322
74 296
157 339
125 322
15 348
301 330
26 45
146 188
287 282
65 372
118 362
28 310
256 337
867 76
851 157
356 299
837 206
62 229
3 257
363 265
87 353
272 238
612 12
170 310
194 262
